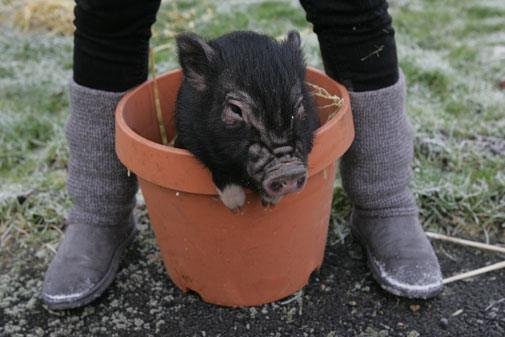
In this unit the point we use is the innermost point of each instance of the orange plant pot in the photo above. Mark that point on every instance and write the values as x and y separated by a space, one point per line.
256 256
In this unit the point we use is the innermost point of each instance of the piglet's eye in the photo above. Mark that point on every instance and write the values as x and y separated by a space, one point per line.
235 109
232 114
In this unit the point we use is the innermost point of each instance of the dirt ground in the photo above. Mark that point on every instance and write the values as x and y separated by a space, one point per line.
340 300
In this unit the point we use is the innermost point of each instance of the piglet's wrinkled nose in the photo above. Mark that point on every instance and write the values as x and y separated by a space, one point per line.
285 184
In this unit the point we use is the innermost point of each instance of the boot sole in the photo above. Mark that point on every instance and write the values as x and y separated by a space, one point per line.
101 286
389 284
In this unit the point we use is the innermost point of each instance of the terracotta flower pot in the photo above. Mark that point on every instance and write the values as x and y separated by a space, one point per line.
256 256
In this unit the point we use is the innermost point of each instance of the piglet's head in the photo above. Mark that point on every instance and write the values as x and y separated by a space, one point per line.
253 116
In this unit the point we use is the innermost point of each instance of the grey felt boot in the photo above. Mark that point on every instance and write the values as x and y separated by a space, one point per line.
375 174
100 223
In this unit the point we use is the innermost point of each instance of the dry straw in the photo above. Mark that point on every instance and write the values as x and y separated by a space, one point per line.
55 16
468 243
336 101
156 95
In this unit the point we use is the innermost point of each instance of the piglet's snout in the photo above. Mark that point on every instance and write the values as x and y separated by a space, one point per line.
286 183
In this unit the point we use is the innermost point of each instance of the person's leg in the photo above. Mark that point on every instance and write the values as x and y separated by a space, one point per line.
356 40
358 49
110 56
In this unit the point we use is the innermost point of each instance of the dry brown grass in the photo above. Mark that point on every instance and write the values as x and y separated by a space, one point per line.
336 102
55 16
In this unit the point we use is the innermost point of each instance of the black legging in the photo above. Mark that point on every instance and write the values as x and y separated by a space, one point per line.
112 41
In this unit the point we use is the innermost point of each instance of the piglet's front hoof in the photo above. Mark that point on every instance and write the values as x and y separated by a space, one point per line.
232 196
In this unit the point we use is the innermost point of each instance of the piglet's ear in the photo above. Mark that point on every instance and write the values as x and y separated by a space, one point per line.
294 40
195 57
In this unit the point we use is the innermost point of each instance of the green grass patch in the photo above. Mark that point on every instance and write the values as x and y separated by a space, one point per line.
435 80
269 12
463 54
480 12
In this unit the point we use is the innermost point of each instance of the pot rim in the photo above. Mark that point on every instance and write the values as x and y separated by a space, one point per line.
126 139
